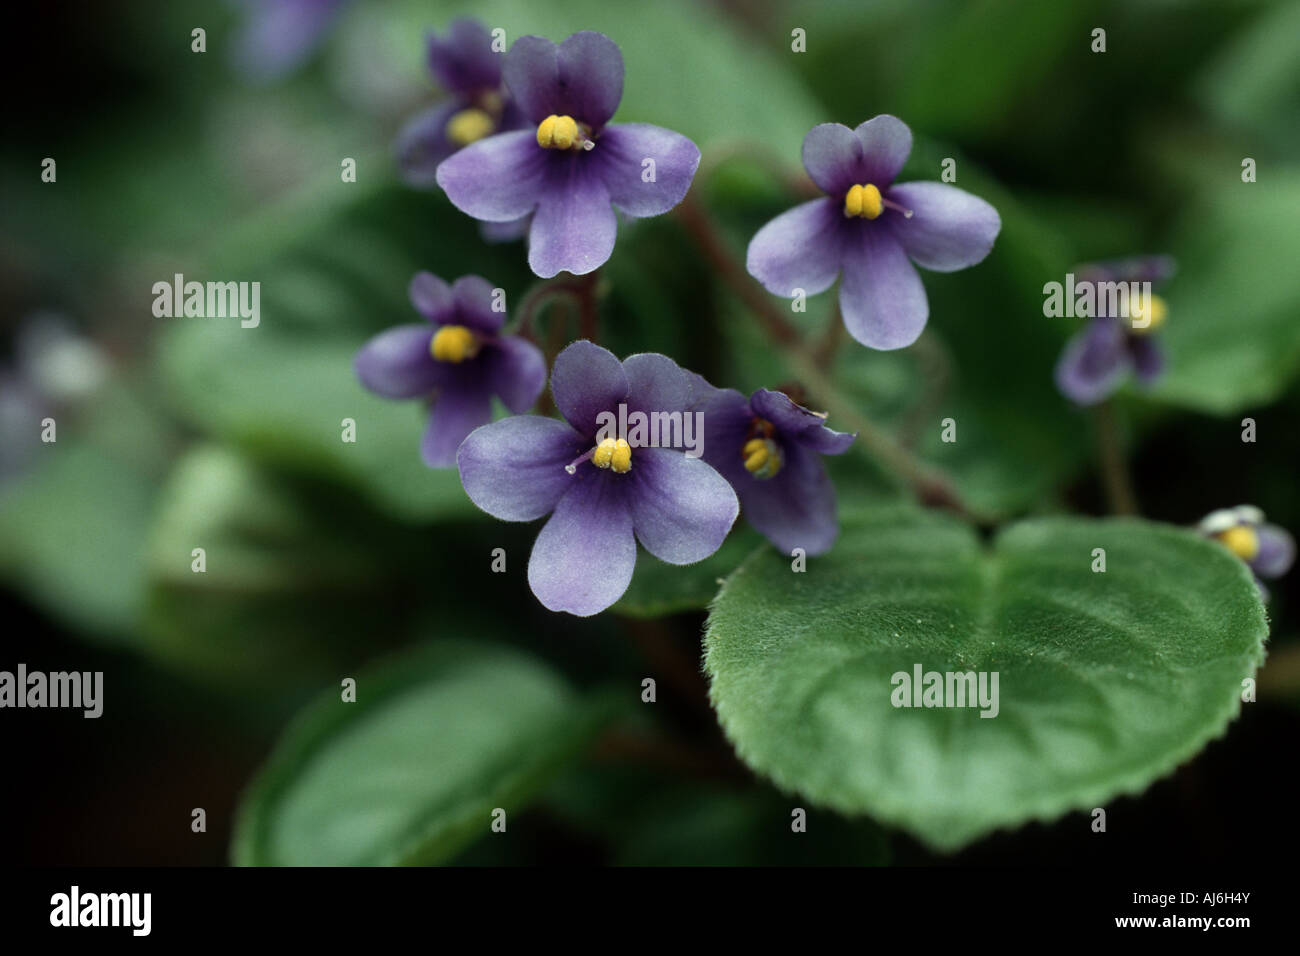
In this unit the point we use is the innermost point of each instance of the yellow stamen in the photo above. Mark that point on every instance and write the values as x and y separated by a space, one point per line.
1148 314
557 132
469 126
1241 541
762 457
613 454
453 343
864 202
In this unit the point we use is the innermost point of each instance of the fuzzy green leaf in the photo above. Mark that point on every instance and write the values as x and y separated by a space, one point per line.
1107 680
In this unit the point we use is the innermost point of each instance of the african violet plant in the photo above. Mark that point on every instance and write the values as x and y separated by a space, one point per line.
897 651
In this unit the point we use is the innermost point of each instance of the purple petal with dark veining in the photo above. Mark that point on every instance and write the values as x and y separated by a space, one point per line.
455 413
799 249
514 468
585 381
464 61
837 157
796 507
474 297
396 363
422 144
1093 363
431 297
950 229
796 423
1148 358
582 77
656 384
881 295
583 558
681 508
574 225
498 179
619 157
516 372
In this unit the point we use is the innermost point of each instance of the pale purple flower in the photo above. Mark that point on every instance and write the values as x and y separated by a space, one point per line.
770 449
465 66
602 493
569 168
1099 358
869 231
458 359
277 36
1267 549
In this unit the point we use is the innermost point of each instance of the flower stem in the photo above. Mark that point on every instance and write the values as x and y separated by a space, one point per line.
1114 466
931 486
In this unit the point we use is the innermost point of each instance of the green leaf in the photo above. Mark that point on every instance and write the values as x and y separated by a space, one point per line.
293 582
1107 681
1232 338
659 588
411 772
72 536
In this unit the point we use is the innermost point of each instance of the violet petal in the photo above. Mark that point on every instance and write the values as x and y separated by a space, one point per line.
583 558
514 468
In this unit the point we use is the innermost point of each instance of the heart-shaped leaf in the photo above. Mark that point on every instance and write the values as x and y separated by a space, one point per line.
412 770
1107 679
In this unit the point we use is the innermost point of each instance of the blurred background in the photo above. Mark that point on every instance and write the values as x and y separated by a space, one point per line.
327 559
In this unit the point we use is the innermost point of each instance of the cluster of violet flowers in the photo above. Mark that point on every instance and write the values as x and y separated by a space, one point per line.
524 143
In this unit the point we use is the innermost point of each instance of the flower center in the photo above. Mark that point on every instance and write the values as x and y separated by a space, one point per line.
1241 541
865 202
453 343
761 453
469 126
614 454
563 132
1148 314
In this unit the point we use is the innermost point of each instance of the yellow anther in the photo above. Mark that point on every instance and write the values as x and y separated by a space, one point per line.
762 457
557 132
615 454
1241 541
621 460
469 126
863 201
453 343
1148 314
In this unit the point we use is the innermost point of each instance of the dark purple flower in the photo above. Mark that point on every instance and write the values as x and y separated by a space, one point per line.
1267 549
278 35
459 363
770 450
604 490
469 70
569 169
867 229
1098 359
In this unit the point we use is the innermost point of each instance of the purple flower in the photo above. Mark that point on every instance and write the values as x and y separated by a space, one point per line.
1266 548
278 35
465 65
1111 347
770 450
459 364
604 488
569 169
867 229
